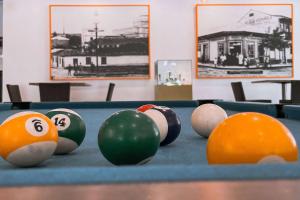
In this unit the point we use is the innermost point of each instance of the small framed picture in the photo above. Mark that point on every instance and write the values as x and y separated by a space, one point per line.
99 42
244 41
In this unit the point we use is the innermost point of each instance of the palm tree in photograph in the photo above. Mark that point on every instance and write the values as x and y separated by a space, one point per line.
277 40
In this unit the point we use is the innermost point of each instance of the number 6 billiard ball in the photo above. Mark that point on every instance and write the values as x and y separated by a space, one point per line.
71 129
27 139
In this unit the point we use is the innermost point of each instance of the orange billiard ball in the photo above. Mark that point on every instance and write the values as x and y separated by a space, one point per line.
251 138
27 139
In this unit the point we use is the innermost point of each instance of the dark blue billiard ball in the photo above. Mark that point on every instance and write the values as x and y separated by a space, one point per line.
174 124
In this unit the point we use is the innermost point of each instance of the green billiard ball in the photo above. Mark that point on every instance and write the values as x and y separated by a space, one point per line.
71 129
128 137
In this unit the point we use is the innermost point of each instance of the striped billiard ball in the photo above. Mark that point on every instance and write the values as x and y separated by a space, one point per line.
71 129
27 139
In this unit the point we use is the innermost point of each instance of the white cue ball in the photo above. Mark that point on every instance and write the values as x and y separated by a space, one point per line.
206 117
272 159
160 120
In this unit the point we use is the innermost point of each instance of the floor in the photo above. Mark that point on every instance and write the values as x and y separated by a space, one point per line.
282 189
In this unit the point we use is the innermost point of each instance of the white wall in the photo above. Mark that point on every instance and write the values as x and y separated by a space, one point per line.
1 33
26 50
1 18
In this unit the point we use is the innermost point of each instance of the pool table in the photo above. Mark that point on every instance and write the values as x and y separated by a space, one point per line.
177 170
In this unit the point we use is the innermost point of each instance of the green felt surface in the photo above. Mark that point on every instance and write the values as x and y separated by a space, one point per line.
183 160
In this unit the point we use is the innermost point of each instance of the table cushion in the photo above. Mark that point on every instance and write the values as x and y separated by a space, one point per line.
292 112
266 108
114 104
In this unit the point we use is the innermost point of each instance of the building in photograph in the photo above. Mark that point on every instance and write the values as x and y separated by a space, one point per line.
114 55
256 39
111 51
92 53
60 41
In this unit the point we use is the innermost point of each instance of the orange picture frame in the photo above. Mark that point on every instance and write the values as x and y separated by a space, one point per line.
262 59
122 52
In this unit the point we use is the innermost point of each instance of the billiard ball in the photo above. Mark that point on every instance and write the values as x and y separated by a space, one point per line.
128 137
27 139
160 120
272 160
71 129
173 123
206 117
250 137
145 107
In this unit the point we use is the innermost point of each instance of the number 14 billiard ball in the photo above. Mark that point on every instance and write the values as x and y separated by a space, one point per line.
71 129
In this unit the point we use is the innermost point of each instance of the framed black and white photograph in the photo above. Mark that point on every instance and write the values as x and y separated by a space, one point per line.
244 40
99 42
